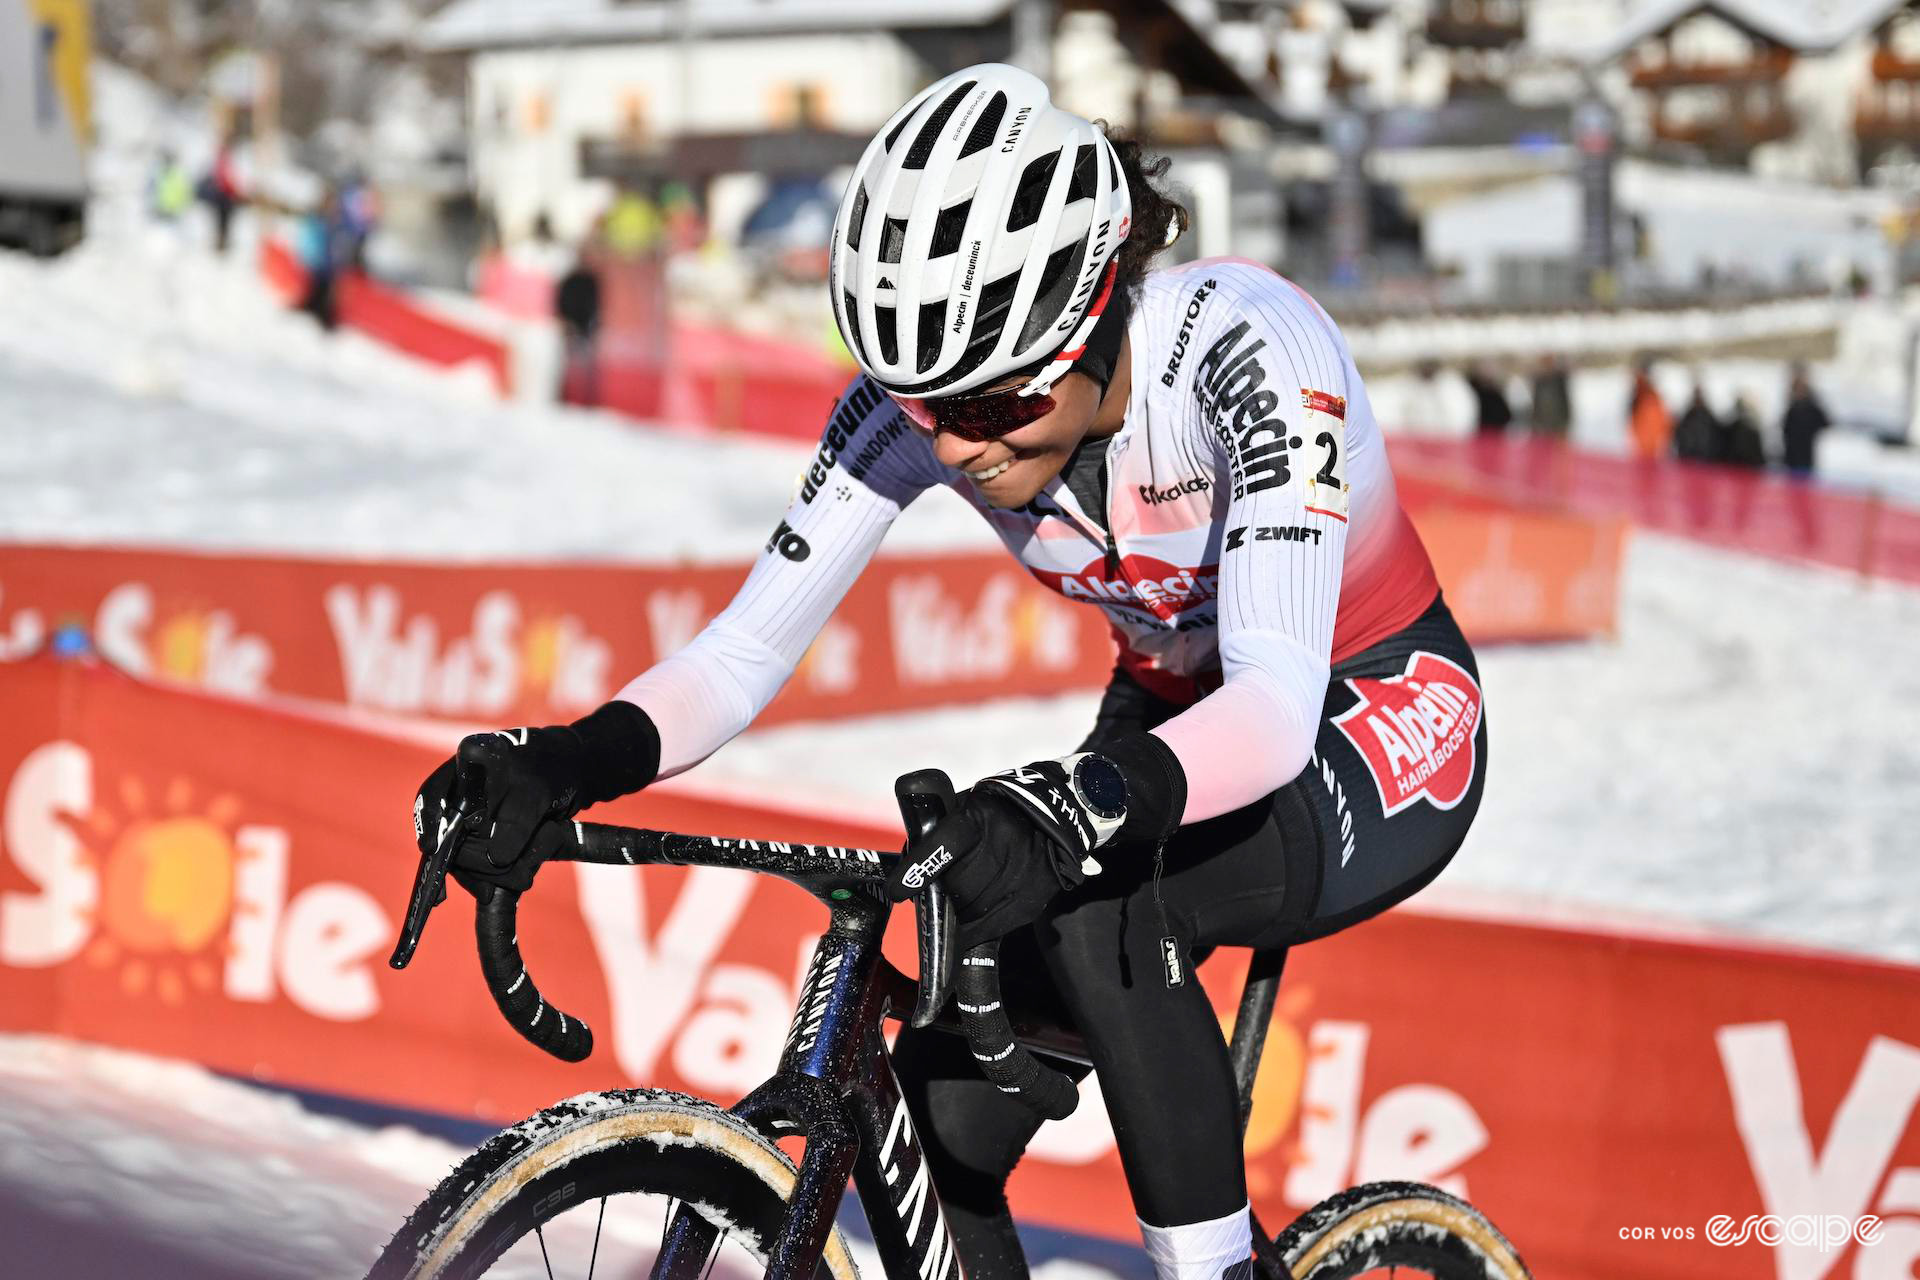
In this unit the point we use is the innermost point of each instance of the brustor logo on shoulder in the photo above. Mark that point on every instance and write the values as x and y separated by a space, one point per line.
1181 339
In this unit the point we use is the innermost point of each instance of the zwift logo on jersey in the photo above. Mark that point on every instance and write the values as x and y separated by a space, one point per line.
1152 586
1416 732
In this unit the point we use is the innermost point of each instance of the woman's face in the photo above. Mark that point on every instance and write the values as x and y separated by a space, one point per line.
1011 471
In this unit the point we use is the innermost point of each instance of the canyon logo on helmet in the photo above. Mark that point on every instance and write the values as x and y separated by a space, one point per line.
973 239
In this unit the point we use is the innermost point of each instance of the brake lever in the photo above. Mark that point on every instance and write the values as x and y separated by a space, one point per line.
925 797
429 890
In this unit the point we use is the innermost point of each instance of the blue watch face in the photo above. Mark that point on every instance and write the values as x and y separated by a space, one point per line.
1101 786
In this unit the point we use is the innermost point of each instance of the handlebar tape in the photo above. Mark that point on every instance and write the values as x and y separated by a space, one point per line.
514 990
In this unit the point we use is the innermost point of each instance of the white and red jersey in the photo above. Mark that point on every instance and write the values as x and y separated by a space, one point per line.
1252 537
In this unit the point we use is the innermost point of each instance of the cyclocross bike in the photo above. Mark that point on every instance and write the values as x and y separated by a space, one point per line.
687 1177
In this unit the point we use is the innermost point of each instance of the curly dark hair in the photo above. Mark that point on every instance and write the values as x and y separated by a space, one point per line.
1158 219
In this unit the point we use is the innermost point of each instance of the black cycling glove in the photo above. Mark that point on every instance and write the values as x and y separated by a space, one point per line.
514 780
1022 837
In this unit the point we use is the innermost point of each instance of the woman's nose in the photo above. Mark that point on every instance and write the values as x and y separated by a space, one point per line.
951 451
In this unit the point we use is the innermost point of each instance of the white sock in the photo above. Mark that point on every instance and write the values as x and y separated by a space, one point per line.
1201 1250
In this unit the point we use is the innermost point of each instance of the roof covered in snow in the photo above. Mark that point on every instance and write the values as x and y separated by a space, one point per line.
487 24
1807 25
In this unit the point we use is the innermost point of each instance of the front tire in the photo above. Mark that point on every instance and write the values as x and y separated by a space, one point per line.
1386 1225
592 1147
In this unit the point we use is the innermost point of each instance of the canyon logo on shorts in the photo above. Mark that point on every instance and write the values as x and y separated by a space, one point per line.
1416 732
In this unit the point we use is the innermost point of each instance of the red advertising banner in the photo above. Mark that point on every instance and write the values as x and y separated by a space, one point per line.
221 881
533 643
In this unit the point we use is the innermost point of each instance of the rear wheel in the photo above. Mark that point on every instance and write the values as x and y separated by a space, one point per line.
590 1187
1397 1229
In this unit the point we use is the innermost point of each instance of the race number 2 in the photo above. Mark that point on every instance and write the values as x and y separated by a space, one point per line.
1326 441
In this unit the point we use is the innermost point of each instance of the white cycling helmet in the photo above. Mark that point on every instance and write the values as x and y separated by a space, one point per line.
975 237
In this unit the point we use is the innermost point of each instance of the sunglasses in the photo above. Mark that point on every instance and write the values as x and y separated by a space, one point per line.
978 418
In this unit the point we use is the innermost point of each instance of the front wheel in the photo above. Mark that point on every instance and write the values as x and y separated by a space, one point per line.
591 1186
1397 1229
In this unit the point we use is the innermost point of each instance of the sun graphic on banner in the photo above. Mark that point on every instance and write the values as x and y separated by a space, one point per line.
540 650
180 646
166 871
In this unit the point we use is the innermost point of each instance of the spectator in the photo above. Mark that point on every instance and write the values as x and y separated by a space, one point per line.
314 244
1740 444
1647 417
576 300
633 225
1805 419
220 190
1492 412
359 215
1697 438
1551 413
171 191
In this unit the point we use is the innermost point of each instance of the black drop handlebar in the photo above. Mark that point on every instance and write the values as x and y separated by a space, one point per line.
924 797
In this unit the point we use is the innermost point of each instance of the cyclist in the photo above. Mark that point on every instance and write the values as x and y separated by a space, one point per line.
1292 739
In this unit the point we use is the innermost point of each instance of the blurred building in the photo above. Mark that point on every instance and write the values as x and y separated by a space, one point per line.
1787 88
743 100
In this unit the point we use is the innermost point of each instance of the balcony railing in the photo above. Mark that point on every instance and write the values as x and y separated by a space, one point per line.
1888 65
1473 32
1880 122
1730 134
1767 67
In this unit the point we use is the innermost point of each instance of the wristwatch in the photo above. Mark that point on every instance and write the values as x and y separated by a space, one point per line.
1101 789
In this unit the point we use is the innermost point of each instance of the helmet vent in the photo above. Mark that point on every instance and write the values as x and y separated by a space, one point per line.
933 322
930 131
858 216
1031 194
1056 284
1085 175
893 134
893 237
991 315
947 229
852 312
883 318
986 128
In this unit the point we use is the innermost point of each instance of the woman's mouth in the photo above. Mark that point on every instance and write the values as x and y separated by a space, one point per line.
981 477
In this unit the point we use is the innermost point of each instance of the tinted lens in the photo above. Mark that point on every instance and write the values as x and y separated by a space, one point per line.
978 417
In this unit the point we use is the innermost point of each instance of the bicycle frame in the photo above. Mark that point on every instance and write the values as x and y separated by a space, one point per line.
836 1088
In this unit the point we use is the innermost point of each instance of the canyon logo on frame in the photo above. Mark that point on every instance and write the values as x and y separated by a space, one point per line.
215 880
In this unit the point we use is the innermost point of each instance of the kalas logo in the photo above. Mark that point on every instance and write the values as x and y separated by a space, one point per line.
1154 586
1415 731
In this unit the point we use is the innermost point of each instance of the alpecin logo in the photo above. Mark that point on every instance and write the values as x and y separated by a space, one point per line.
1415 731
1146 585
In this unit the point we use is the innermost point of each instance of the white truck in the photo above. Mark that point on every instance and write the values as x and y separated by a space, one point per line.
46 122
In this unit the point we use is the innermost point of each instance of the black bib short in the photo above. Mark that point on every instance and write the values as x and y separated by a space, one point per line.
1387 798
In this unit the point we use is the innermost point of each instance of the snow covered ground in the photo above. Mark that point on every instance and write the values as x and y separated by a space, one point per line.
115 1165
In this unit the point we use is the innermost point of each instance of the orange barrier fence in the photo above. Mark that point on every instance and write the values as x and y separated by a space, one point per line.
393 317
1761 512
533 643
220 881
